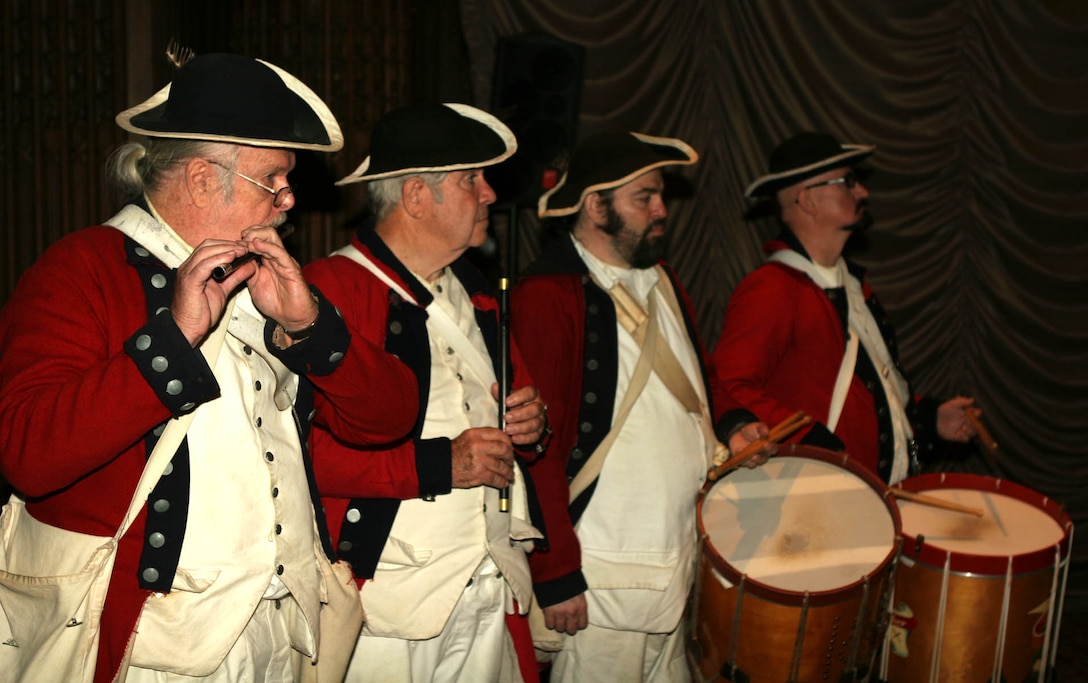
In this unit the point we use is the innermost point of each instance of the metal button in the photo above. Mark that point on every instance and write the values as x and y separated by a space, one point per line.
151 575
158 280
395 327
586 427
174 387
577 454
156 540
310 417
592 364
159 364
161 309
345 546
353 515
169 469
335 357
157 431
591 397
186 407
140 251
161 505
593 337
143 342
593 309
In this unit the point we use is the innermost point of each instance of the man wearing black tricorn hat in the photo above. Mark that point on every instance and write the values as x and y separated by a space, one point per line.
608 332
805 332
118 336
442 565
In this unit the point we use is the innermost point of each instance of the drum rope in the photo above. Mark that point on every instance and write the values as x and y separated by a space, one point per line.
734 642
859 626
1050 608
1003 624
799 641
1061 601
942 605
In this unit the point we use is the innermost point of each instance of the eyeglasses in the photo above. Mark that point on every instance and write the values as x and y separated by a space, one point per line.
849 180
278 196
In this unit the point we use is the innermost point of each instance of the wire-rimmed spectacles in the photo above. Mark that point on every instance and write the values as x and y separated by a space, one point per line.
278 196
849 180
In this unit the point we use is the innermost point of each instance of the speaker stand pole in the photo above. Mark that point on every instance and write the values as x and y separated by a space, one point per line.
512 244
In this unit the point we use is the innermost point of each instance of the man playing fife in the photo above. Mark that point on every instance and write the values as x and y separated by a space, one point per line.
421 521
219 576
634 435
805 332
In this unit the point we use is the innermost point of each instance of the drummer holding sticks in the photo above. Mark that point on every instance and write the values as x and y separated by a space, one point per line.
827 348
608 333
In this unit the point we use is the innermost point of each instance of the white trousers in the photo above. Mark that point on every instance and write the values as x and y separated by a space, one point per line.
261 654
603 655
474 646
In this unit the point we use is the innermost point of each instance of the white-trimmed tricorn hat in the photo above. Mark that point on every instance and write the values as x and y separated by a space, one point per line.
803 156
229 98
609 160
433 138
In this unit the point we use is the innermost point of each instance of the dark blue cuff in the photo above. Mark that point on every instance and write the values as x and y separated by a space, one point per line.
321 352
553 592
177 372
434 467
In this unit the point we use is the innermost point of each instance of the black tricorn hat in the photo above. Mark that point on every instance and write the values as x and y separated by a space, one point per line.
608 160
433 138
803 156
229 98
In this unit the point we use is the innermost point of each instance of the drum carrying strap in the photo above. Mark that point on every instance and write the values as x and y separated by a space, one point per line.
641 324
631 315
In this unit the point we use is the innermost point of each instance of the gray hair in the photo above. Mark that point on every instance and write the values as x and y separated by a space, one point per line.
385 193
139 169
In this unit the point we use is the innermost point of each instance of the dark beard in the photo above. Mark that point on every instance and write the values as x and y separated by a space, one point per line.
645 253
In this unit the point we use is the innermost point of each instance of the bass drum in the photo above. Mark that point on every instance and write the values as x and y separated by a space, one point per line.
795 566
977 598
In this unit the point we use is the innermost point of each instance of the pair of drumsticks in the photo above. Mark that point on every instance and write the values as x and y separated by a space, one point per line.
794 422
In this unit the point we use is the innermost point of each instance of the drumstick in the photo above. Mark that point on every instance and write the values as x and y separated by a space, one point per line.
934 502
780 431
989 446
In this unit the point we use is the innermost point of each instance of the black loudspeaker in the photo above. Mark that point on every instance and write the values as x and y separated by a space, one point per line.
538 85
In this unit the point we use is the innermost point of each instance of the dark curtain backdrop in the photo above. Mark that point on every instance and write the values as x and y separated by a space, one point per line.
979 109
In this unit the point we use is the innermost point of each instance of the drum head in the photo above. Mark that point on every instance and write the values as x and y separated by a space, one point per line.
1016 523
799 524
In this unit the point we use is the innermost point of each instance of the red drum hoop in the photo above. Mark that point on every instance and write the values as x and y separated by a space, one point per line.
926 548
785 596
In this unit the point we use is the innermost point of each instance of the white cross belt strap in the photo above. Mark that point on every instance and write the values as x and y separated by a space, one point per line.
462 345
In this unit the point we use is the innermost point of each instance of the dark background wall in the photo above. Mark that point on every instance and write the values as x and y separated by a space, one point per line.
979 109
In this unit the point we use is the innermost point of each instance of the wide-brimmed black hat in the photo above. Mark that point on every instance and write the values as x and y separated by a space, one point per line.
240 100
803 156
433 138
608 160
